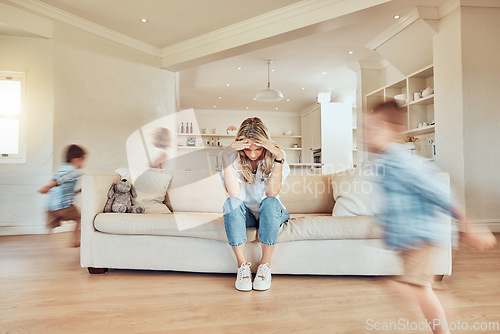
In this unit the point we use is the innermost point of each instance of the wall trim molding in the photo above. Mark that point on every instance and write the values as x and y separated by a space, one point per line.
239 112
393 30
22 230
282 20
24 21
428 14
310 109
492 224
86 25
448 7
480 3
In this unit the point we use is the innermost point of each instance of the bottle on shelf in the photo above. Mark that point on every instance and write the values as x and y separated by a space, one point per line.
182 127
191 129
218 142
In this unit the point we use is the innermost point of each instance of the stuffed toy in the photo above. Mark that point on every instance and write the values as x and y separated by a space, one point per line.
121 198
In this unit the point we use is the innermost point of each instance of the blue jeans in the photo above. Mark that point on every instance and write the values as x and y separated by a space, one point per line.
237 217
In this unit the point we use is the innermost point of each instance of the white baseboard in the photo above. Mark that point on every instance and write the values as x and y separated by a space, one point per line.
36 229
22 230
492 224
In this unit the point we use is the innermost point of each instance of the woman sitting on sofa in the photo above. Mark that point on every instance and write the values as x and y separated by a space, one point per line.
254 171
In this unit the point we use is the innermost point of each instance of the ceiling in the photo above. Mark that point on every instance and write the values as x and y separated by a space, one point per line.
309 60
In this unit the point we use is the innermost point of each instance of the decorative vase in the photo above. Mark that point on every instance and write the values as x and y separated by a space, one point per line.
411 147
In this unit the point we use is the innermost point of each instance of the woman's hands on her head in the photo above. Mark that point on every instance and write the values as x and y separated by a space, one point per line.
235 146
273 148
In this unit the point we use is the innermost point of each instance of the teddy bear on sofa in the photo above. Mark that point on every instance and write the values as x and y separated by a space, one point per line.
121 198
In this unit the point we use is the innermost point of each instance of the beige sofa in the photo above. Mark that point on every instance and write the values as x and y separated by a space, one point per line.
192 237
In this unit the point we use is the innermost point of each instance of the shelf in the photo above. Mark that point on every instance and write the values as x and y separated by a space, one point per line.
200 147
204 135
283 136
226 135
423 101
420 131
221 147
303 164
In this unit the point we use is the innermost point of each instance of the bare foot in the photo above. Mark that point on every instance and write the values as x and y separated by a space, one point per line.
478 238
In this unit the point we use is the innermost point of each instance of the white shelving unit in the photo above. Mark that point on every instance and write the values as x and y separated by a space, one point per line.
419 112
286 142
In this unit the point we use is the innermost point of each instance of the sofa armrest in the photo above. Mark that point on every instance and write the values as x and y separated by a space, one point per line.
94 195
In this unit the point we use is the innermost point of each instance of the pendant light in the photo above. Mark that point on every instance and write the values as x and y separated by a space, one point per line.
269 95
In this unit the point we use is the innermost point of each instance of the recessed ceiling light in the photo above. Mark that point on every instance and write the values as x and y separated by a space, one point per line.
323 73
287 100
246 107
227 85
239 68
144 20
351 52
215 106
272 70
220 97
396 17
276 108
302 88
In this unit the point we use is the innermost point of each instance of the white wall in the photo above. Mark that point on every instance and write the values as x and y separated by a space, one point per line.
448 102
103 93
390 74
21 208
481 111
82 89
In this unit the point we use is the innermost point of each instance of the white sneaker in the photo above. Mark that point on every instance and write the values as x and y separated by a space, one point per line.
244 277
262 279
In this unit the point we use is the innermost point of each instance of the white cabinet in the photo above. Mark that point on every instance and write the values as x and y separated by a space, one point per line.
419 109
316 124
328 127
311 132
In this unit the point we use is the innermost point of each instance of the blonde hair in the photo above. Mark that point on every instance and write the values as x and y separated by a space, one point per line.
254 129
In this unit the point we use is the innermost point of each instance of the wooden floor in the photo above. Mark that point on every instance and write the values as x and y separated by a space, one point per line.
43 289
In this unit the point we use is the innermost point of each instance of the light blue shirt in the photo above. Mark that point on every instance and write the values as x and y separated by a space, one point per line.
62 195
413 197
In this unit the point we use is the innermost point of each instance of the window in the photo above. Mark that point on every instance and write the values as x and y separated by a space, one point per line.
12 117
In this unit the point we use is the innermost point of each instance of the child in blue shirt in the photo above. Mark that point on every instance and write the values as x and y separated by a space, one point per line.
61 190
412 196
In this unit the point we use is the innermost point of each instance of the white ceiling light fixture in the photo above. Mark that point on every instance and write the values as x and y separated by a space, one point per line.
269 95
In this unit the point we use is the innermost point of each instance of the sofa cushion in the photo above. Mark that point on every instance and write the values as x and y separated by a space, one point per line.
195 191
307 193
152 202
211 226
151 186
179 224
327 227
354 192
